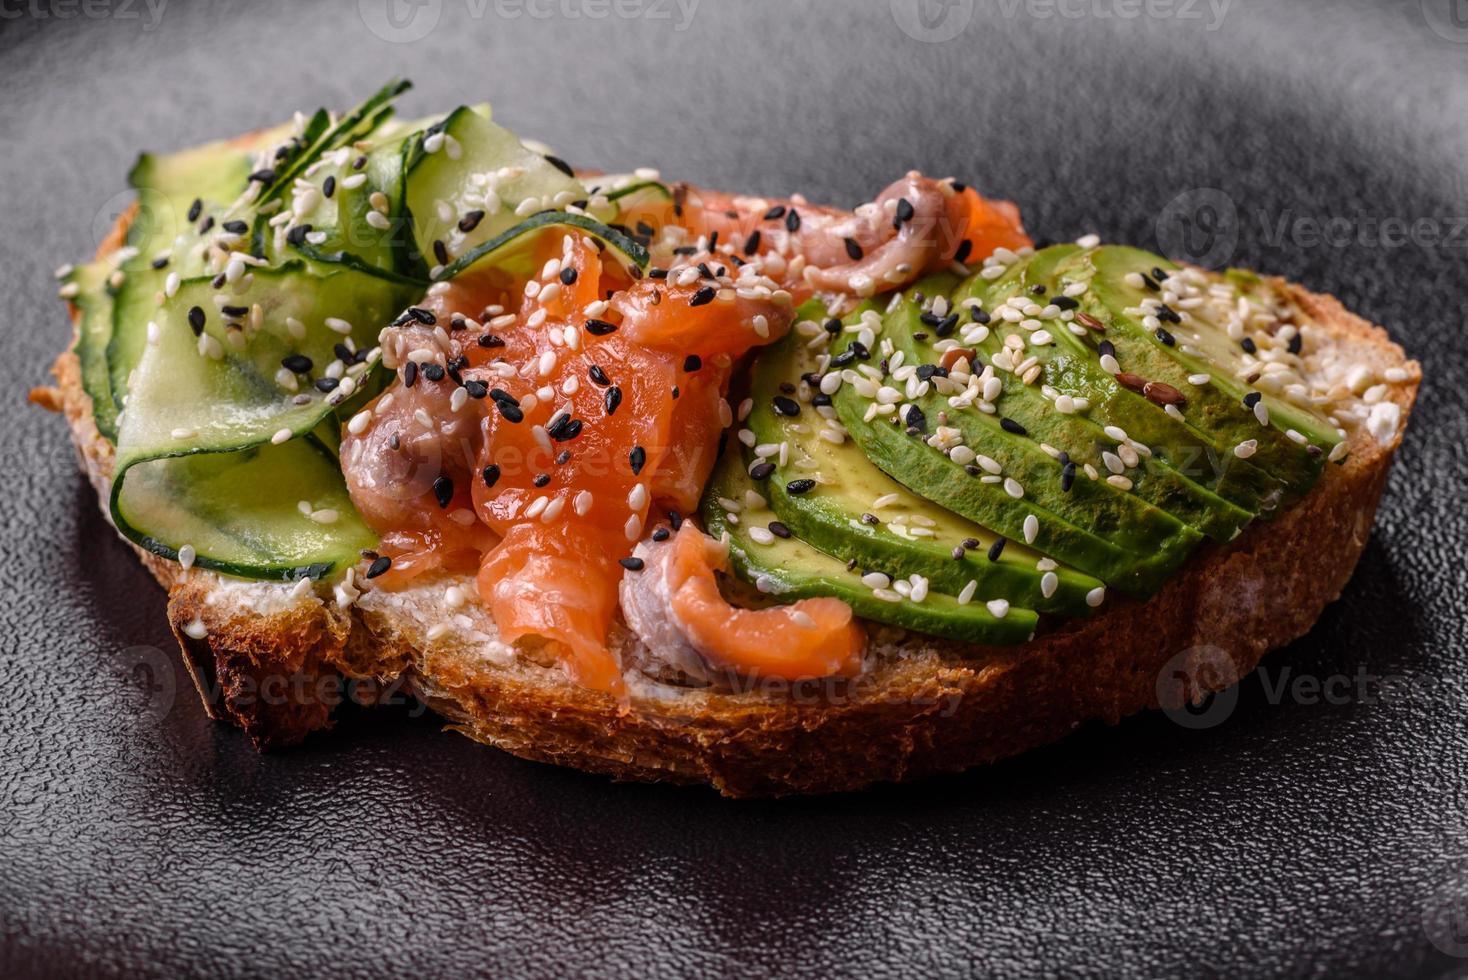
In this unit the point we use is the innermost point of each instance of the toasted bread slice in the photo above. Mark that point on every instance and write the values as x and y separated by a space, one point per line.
272 657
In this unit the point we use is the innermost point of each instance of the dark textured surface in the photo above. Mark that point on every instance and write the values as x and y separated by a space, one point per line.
1295 837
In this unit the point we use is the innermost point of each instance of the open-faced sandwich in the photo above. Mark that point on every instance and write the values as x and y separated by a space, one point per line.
674 484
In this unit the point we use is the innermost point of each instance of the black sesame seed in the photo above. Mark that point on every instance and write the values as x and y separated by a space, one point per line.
632 563
512 413
1150 283
563 457
997 548
297 235
778 211
298 363
958 553
541 479
196 319
675 519
1038 289
1252 399
761 471
195 209
491 475
1067 477
692 363
433 372
979 314
161 262
970 544
870 519
637 458
853 249
560 165
379 566
476 389
206 224
947 325
657 273
705 294
964 248
410 374
800 486
440 252
915 419
443 490
328 186
612 399
1106 347
1011 426
1296 342
565 429
1166 337
470 221
787 407
235 227
568 276
503 397
1066 303
266 176
661 534
751 244
234 311
1249 346
779 530
792 221
599 328
489 340
423 316
326 384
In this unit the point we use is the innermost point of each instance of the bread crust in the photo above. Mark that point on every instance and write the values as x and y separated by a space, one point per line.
273 659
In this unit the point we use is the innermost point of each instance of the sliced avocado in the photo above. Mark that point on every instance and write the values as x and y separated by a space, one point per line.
1035 405
1187 449
1184 344
787 568
856 511
993 472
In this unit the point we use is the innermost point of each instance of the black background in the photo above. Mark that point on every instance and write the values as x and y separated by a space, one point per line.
1294 837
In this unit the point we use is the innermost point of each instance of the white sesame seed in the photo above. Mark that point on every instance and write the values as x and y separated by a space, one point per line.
324 516
1261 412
1049 582
1246 448
1012 487
282 436
1199 379
637 497
1120 482
581 503
1032 528
339 325
761 536
186 556
552 510
633 528
998 608
1096 596
875 580
183 433
196 629
966 594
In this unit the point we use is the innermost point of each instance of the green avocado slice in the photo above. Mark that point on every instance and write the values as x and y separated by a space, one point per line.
1284 439
787 569
857 512
988 468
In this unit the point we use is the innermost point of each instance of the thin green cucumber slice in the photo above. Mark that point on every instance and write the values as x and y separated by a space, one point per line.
469 181
266 512
512 249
